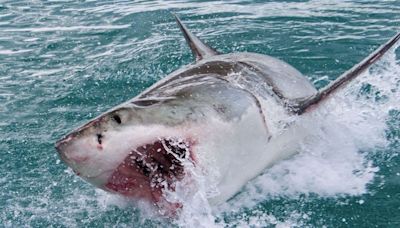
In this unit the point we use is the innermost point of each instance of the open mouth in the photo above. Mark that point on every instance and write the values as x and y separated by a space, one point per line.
150 168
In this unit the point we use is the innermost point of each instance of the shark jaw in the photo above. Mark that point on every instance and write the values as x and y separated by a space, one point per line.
150 169
139 163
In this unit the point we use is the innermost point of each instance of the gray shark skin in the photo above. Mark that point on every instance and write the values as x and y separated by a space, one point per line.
228 115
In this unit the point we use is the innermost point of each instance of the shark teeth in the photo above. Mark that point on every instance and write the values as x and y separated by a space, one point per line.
161 160
151 168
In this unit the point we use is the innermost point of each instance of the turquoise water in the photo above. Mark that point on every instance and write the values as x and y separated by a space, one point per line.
64 62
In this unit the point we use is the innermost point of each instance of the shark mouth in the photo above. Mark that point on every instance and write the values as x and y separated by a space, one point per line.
151 168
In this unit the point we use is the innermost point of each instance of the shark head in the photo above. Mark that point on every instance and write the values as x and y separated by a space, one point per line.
140 148
121 151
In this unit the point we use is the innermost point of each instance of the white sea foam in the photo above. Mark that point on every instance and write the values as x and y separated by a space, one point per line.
331 164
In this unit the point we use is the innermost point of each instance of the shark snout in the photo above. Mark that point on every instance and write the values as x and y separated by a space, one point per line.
61 146
62 143
66 150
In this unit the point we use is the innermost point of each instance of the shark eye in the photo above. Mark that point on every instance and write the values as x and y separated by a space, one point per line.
117 119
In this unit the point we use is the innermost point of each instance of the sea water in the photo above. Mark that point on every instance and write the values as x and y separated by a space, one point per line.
64 62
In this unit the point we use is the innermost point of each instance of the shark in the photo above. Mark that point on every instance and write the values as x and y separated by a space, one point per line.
230 116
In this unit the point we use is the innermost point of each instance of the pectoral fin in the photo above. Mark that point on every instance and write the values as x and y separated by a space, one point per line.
345 78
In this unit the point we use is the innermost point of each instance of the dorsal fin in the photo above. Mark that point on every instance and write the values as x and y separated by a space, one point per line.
345 78
199 48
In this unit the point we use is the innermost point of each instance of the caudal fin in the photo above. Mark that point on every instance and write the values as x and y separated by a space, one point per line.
345 78
199 48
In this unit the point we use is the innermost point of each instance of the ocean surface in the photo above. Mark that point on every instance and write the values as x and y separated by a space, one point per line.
64 62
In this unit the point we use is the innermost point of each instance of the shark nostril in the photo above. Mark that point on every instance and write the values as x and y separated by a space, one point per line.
99 138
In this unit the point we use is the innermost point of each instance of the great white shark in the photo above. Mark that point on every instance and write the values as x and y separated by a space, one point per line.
235 114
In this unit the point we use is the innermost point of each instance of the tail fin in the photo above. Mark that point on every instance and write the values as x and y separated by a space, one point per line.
349 75
200 49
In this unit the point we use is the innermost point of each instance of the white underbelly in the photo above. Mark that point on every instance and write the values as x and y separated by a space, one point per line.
232 153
